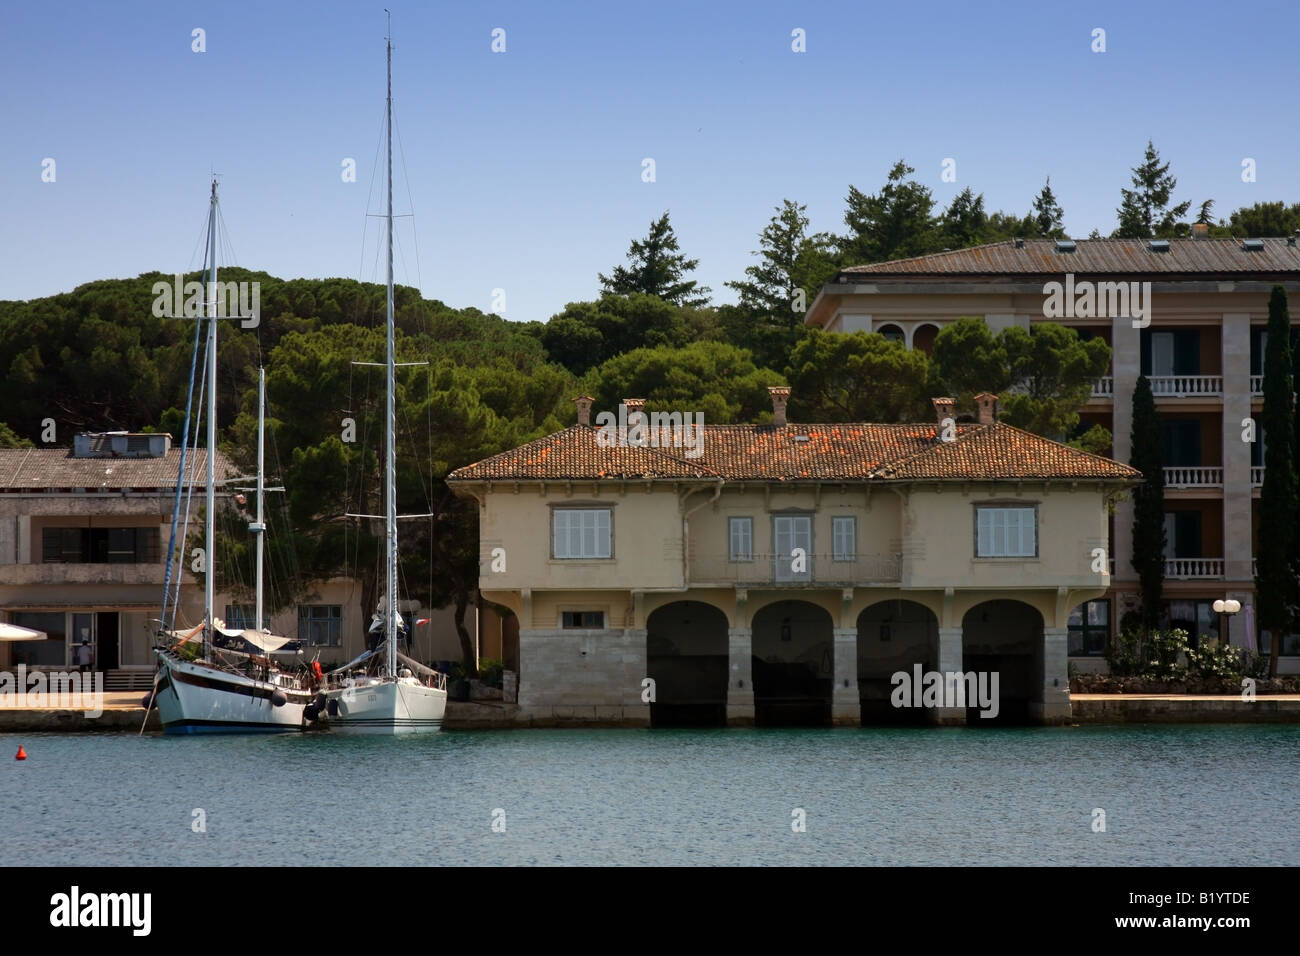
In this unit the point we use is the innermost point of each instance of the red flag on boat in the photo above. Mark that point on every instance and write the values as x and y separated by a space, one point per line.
423 620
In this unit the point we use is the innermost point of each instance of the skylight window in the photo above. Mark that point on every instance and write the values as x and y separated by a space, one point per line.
1253 245
1159 245
1064 245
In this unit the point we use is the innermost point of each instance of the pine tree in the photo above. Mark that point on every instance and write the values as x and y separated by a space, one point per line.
1049 218
895 223
1148 502
791 261
1275 556
657 268
1145 211
964 223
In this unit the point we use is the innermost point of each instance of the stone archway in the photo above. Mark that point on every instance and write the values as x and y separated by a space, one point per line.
1003 637
794 664
686 656
893 636
893 332
923 337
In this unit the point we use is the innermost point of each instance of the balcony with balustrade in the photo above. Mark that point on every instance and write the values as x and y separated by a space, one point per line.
1193 569
1197 476
787 571
1186 386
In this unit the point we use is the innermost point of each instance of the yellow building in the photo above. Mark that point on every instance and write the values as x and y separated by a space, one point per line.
788 573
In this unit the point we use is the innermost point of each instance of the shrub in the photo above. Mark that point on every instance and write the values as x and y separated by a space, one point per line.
489 671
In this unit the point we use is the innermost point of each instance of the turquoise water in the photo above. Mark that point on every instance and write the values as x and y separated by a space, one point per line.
1191 795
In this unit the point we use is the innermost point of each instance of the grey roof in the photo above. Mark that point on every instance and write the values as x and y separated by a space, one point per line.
25 469
1190 258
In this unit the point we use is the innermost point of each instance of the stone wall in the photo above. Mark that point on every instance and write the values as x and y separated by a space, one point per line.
583 676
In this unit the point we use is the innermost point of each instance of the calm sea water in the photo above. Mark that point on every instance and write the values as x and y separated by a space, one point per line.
1172 795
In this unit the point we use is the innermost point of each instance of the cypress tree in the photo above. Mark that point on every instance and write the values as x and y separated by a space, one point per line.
1148 443
1275 585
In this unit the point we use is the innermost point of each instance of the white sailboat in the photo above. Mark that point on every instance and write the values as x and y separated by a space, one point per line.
387 701
223 689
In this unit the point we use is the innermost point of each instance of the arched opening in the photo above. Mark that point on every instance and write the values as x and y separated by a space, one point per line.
1004 638
893 636
686 656
793 665
892 332
923 337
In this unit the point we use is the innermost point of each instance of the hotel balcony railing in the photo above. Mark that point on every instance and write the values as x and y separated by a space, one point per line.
1196 476
779 570
1188 569
1257 385
1186 386
1104 387
1256 475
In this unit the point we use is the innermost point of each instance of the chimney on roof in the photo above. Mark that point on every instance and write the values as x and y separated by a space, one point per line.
584 402
1200 230
780 395
943 408
1020 243
634 405
988 407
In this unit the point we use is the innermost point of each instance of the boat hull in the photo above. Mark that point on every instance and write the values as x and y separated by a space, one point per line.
193 698
402 706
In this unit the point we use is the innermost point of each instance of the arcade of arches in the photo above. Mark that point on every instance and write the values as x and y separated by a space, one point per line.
793 667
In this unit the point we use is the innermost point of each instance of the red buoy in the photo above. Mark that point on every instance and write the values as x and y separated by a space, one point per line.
22 754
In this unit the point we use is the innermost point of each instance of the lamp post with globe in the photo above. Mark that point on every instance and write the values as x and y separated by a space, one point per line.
1224 608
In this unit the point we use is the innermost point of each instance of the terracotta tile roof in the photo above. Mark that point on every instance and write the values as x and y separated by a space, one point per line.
843 452
41 468
1189 258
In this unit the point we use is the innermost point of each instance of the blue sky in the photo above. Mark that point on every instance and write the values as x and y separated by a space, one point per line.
524 167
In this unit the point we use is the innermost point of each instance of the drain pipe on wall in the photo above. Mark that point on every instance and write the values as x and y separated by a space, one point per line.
686 526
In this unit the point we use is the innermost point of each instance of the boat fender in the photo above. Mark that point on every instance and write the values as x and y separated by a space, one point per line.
320 703
310 713
333 708
279 699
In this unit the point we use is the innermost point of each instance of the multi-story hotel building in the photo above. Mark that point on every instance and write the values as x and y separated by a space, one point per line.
1200 341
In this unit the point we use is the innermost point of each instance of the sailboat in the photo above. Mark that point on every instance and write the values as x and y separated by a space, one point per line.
370 694
236 687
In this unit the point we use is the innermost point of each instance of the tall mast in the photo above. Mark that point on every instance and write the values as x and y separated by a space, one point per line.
259 528
390 490
209 575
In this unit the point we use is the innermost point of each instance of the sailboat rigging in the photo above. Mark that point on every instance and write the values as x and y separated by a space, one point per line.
223 689
390 701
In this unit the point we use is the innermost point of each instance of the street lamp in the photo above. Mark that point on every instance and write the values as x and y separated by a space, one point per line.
1224 608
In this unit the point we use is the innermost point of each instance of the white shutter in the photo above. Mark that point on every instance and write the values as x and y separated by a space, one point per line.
603 542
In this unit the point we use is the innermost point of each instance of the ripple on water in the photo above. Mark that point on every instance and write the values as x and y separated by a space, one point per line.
1189 795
